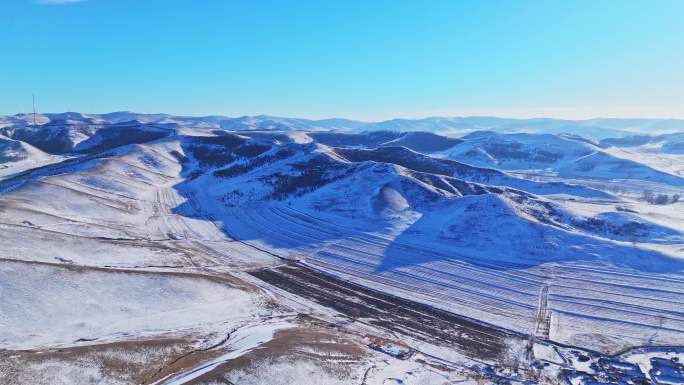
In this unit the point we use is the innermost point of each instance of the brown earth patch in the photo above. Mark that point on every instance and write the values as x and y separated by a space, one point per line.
128 362
333 351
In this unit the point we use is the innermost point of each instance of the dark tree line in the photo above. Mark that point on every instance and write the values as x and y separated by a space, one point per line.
659 199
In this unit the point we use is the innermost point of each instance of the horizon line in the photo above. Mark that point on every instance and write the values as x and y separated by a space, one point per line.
465 116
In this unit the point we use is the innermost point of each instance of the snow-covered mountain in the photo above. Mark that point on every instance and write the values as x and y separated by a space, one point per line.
661 152
420 141
666 143
13 150
65 136
16 156
595 129
521 151
567 156
200 250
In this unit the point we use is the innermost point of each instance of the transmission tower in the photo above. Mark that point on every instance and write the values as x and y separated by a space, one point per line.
33 96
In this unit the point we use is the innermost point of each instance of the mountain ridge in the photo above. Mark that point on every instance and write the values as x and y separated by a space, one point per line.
597 128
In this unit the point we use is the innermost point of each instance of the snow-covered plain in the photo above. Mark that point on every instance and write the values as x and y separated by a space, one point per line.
147 227
47 305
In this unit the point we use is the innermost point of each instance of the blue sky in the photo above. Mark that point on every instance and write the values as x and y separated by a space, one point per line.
359 59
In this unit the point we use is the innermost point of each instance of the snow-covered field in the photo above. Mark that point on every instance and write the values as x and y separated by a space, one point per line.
47 305
118 231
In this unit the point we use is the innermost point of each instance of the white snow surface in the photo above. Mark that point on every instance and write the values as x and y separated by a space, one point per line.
47 306
242 341
477 249
484 256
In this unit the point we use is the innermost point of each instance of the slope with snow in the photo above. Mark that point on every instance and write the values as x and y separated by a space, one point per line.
565 156
67 136
45 305
478 250
17 156
661 152
231 246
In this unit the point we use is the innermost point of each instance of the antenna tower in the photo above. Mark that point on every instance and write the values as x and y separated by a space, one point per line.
34 108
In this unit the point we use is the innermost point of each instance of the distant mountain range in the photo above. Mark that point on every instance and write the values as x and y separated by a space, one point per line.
597 129
502 147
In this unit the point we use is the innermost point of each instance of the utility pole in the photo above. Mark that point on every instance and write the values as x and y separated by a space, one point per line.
542 321
34 108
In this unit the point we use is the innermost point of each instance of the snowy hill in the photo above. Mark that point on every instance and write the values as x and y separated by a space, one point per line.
184 252
65 136
668 143
566 156
13 150
593 128
17 156
420 141
371 183
520 151
393 218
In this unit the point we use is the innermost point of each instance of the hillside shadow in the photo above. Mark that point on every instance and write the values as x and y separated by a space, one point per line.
498 249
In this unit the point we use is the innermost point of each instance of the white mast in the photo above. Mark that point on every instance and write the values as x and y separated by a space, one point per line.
34 108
